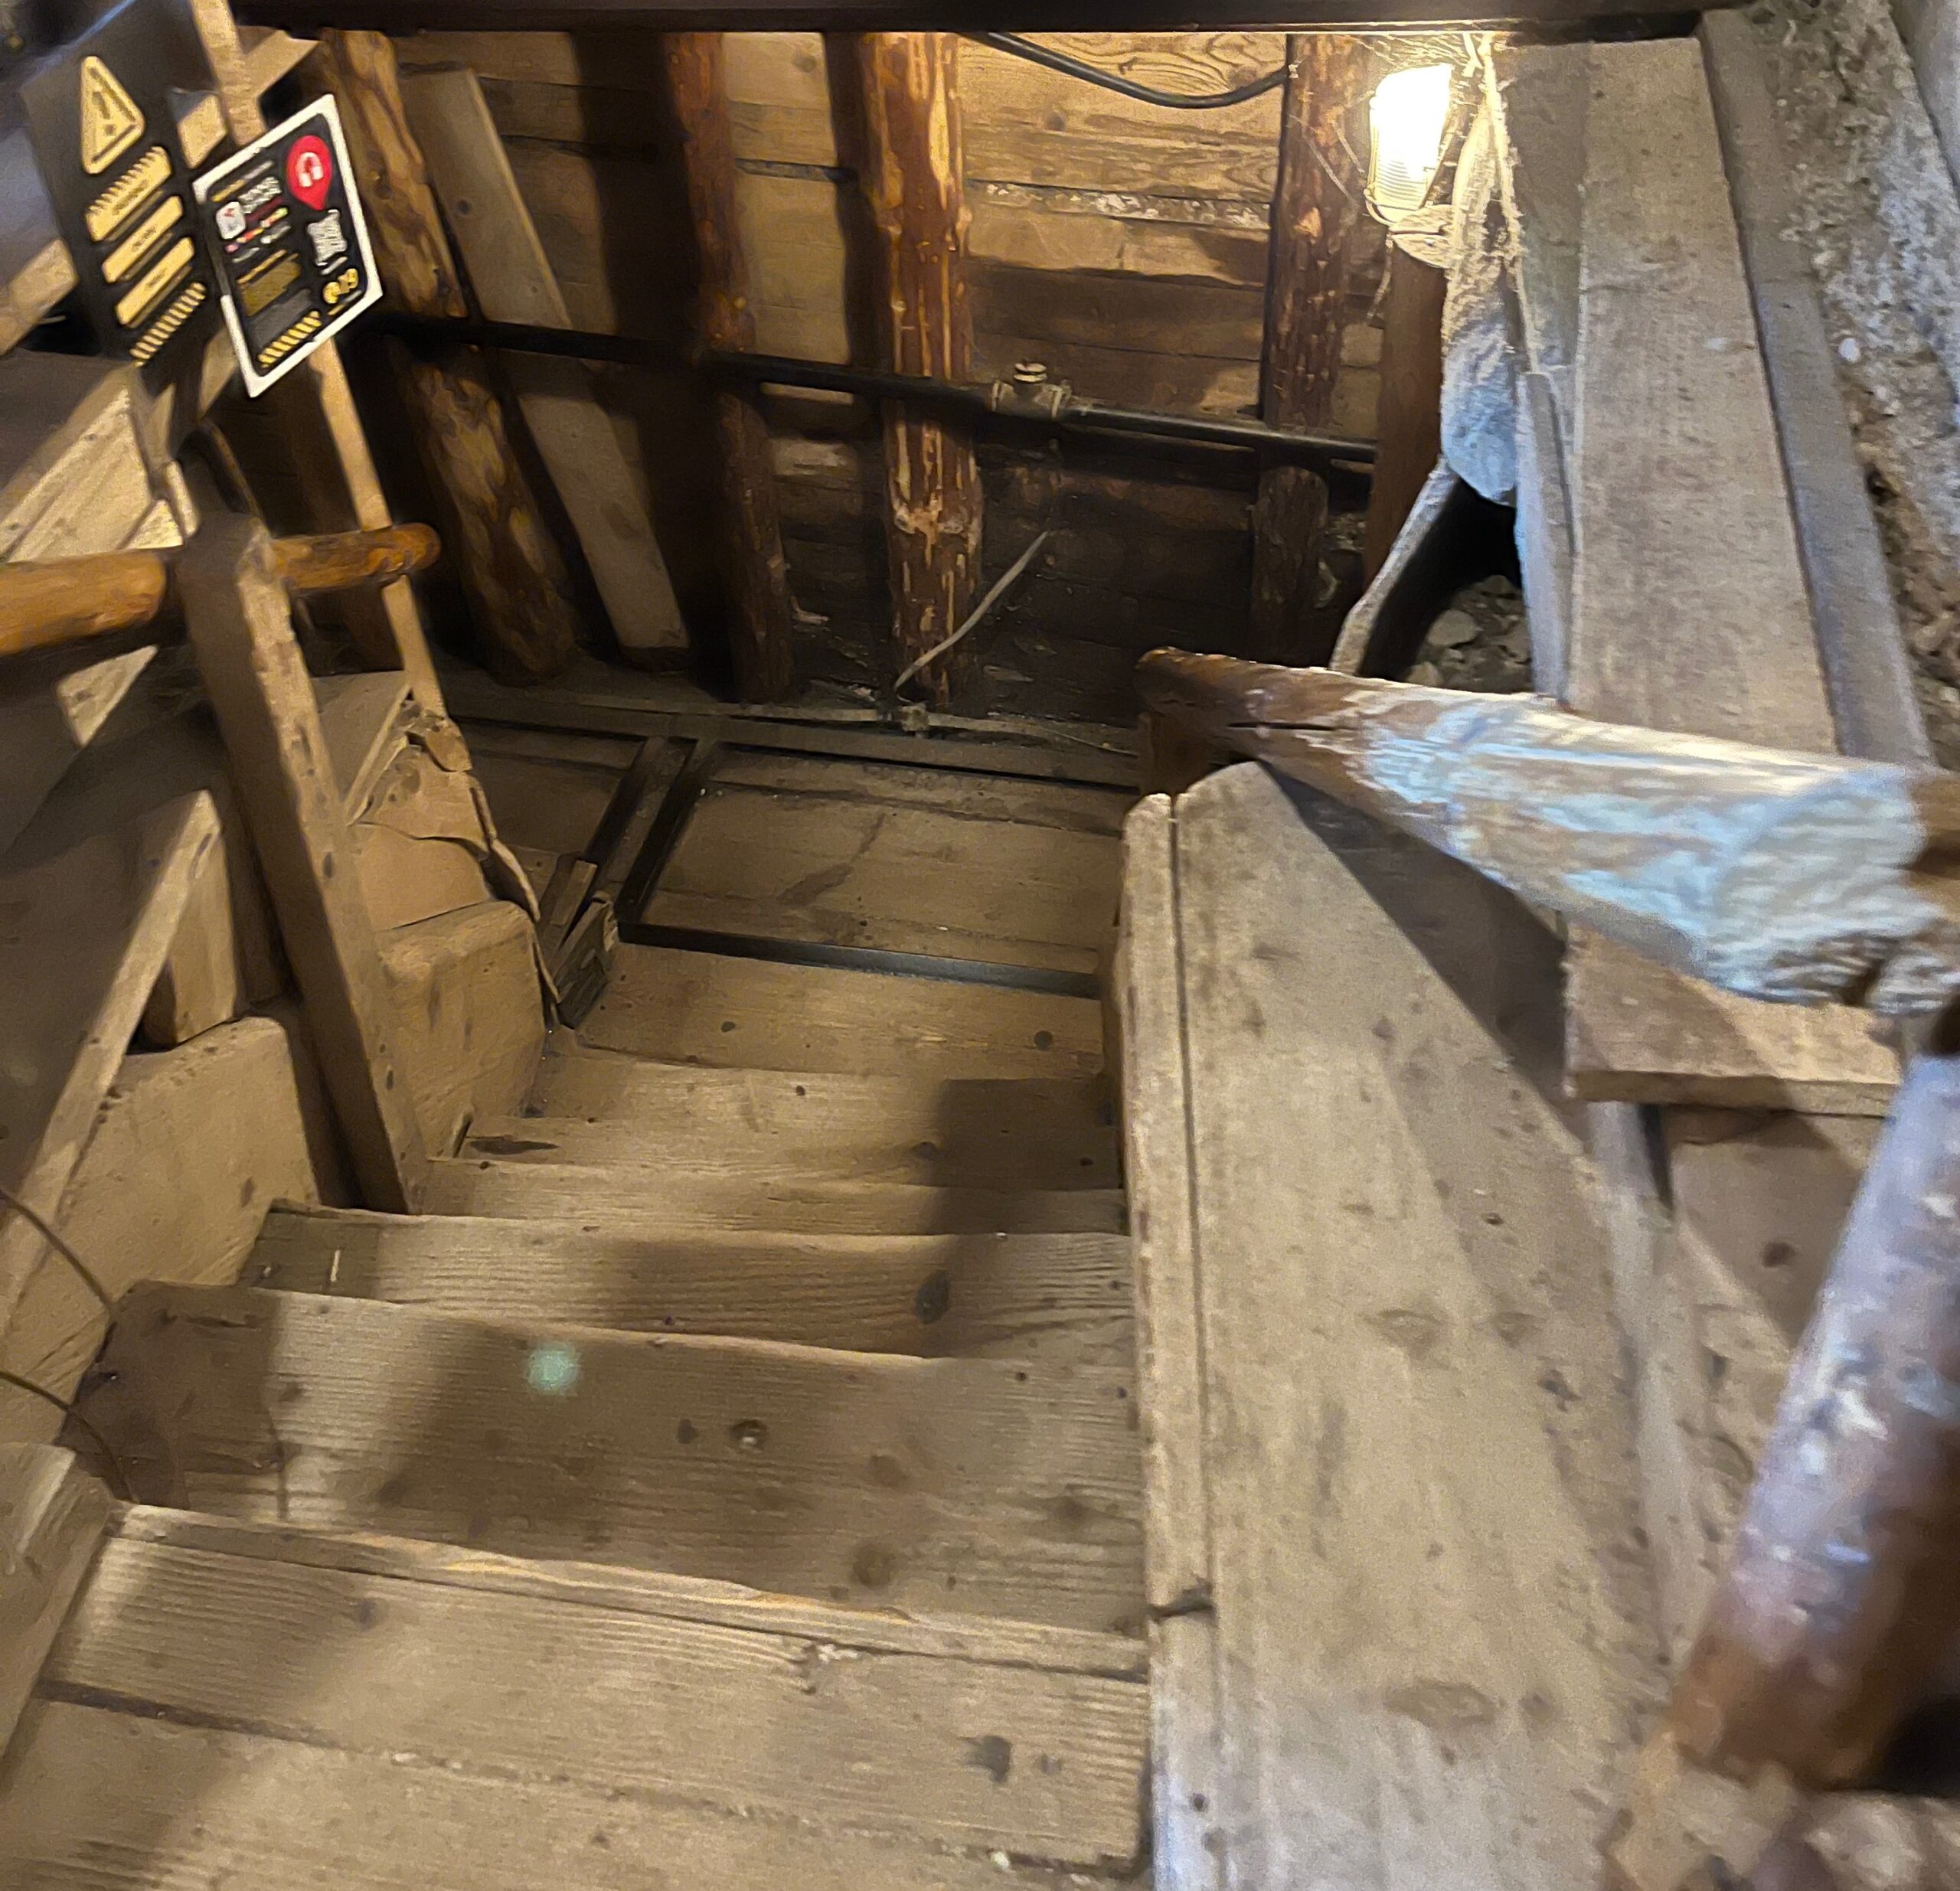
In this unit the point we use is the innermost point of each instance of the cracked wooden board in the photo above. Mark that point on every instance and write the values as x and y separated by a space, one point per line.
1432 1623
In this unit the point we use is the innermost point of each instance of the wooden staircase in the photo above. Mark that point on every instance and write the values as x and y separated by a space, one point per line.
737 1483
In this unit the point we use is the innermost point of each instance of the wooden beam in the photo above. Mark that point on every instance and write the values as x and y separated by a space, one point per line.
52 1518
511 571
868 16
914 179
512 280
318 422
1409 419
760 615
242 632
1315 211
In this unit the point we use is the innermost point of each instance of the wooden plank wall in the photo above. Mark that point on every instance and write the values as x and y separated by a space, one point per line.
1124 245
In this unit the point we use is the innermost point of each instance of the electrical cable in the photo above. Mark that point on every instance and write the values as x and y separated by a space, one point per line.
977 616
1130 89
68 1254
119 1478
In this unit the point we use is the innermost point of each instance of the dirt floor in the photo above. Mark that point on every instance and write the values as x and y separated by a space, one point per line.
1880 216
1480 641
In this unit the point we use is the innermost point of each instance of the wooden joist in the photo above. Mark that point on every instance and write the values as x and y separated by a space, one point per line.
52 1517
1676 460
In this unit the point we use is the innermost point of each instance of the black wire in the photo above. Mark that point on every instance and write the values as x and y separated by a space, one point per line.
1114 82
111 1462
60 1247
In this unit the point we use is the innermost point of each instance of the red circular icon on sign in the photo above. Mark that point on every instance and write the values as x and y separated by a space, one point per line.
309 171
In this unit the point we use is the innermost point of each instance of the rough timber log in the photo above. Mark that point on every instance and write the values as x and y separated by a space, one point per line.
1801 878
44 604
757 573
511 572
1315 211
915 182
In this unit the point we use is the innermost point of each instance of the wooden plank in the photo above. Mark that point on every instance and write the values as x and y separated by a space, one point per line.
456 1658
1177 1560
103 1792
1675 444
1409 420
769 864
95 889
975 1131
1079 809
700 1008
985 1486
52 1516
241 630
1050 1297
1867 668
188 1150
513 283
682 1201
1431 1661
222 961
469 1015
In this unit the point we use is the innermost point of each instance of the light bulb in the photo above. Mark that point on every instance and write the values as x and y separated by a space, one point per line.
1406 120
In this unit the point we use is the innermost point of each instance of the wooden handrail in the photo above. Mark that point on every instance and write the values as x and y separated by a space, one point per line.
45 605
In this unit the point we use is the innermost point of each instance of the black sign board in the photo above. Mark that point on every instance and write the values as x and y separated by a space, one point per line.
103 115
285 225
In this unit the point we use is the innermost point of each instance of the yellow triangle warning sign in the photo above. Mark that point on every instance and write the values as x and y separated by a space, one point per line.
110 122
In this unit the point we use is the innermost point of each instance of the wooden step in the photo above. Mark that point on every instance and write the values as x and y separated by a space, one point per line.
273 1709
1026 1132
703 1007
1050 1297
975 1485
612 1143
677 1203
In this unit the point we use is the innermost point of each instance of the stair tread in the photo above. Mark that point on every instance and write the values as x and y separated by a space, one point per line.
692 1007
1027 1131
392 1688
976 1485
630 1144
1031 1296
683 1199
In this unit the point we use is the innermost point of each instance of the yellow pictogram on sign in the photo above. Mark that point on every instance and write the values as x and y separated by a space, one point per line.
110 122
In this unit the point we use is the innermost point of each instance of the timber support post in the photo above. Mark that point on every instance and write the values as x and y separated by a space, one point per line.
757 573
914 177
1316 207
512 572
1409 423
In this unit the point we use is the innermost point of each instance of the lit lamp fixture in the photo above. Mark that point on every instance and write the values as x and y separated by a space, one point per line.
1407 117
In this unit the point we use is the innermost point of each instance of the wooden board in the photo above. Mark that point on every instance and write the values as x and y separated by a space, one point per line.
188 1150
542 802
682 1201
360 717
470 1012
1677 460
846 870
643 1692
978 1487
52 1516
94 891
103 1792
240 628
700 1008
1040 1297
1429 1621
974 1132
513 283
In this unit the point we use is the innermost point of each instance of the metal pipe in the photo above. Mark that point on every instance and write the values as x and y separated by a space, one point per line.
1051 406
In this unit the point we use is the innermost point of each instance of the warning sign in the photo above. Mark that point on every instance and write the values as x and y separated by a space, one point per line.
106 144
291 247
110 122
